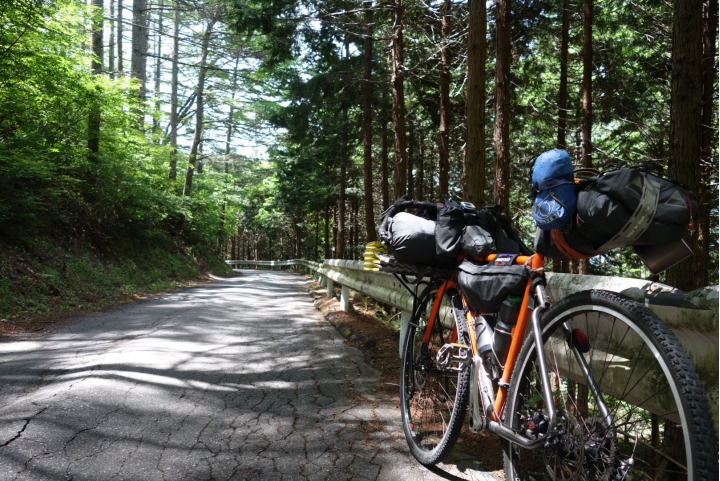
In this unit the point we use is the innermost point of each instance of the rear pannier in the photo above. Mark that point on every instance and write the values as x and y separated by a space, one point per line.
486 286
624 207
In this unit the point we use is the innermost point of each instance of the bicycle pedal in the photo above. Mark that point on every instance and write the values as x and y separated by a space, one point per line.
454 357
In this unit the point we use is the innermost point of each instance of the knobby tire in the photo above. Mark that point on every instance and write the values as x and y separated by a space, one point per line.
432 401
661 425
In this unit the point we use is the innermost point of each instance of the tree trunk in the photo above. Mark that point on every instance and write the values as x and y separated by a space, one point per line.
335 231
158 65
563 265
298 236
96 66
120 67
431 178
138 59
445 108
384 165
708 138
474 158
356 226
398 76
111 45
326 238
421 167
367 129
685 102
410 160
587 86
174 91
231 113
340 246
563 93
199 109
317 237
501 135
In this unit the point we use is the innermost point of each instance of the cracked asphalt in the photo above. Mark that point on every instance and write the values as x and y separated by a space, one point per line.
238 379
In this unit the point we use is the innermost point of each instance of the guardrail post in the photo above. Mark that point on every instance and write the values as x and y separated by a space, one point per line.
404 325
329 285
345 298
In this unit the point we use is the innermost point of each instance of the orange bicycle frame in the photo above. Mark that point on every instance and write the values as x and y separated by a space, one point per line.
536 261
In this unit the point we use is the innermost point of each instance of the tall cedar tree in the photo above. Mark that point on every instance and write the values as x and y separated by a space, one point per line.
158 65
708 136
174 72
120 66
563 90
368 127
562 265
111 45
685 102
583 265
138 60
502 107
97 48
398 94
474 159
384 147
445 107
587 147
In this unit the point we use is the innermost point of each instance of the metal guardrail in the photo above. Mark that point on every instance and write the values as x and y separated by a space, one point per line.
693 316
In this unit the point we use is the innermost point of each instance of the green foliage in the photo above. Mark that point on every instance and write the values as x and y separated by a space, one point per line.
124 226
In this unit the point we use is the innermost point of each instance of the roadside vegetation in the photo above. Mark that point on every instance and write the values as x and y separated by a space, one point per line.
84 228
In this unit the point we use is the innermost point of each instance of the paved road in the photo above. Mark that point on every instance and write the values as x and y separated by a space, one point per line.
238 379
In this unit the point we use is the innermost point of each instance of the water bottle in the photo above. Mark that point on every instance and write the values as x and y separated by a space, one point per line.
507 318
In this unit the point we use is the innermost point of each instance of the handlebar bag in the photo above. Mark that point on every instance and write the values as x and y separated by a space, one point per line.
411 238
553 190
486 286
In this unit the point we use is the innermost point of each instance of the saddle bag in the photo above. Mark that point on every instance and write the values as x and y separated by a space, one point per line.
486 286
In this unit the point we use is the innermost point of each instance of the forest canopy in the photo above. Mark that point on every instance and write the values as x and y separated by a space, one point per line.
270 129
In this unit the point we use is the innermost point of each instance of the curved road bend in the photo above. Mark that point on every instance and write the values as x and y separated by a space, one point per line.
238 379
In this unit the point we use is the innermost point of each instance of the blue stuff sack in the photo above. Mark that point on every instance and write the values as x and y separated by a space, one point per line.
553 190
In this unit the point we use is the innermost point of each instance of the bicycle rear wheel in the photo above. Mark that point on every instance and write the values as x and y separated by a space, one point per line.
433 398
648 418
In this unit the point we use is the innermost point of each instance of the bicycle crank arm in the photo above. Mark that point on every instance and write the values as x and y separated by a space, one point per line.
507 433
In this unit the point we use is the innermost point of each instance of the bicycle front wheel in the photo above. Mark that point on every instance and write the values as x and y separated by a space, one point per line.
433 398
629 404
